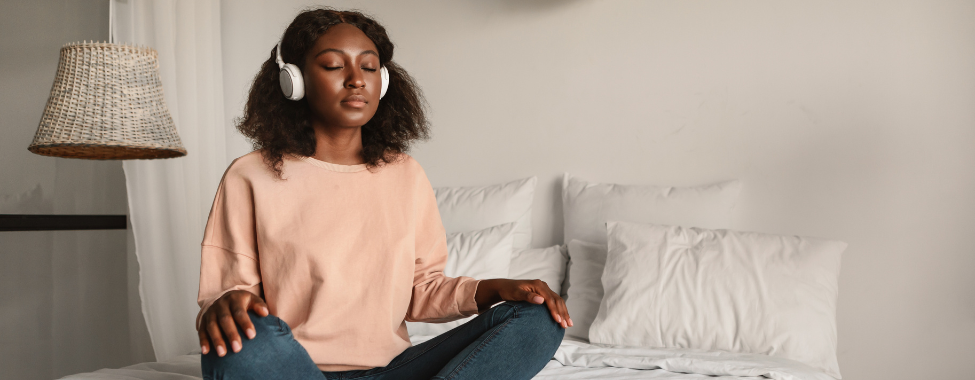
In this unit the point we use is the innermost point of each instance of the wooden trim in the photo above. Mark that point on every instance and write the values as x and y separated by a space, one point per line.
19 222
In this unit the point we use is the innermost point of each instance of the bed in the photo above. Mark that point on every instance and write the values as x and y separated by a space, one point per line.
657 284
575 360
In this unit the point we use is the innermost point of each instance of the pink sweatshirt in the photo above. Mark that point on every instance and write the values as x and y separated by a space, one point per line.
342 254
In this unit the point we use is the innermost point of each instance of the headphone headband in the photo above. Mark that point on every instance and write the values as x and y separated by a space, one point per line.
277 57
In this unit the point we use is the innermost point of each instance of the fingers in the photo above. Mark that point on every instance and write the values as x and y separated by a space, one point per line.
534 298
537 292
213 330
223 318
229 328
553 308
559 305
204 341
532 292
259 307
563 308
555 303
239 313
240 309
550 301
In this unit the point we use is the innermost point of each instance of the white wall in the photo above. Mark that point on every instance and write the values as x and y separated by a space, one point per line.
851 120
66 297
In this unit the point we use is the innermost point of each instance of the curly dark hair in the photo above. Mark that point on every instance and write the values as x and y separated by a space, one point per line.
278 126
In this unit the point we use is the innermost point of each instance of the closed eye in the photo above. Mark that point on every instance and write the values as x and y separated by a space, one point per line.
369 70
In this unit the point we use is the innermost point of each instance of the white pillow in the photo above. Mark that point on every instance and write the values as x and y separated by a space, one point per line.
586 207
546 264
477 207
480 254
680 287
586 261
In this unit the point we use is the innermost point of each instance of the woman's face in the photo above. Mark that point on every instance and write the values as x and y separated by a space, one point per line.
341 75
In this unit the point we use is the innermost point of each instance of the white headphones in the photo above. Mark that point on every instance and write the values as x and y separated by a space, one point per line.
293 85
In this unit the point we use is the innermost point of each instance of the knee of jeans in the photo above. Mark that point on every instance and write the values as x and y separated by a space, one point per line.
265 329
271 333
270 322
540 318
542 326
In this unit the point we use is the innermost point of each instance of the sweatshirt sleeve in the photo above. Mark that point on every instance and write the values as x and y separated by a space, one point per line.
436 297
229 258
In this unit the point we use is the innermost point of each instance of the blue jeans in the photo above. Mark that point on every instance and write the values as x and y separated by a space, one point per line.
513 340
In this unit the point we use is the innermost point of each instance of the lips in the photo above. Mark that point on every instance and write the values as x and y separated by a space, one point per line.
357 101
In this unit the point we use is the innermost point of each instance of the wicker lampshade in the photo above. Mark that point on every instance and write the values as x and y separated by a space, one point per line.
107 103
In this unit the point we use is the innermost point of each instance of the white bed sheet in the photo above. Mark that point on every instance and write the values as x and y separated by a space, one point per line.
574 360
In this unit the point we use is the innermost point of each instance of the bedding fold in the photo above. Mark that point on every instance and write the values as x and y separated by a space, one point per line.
704 362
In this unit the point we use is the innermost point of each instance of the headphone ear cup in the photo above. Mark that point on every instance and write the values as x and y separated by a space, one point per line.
292 84
384 74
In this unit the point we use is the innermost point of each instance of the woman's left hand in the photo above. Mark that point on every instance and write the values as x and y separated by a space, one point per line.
534 291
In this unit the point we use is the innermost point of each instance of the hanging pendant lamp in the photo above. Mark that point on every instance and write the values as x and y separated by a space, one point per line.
107 104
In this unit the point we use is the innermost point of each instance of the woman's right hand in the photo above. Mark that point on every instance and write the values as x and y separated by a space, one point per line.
225 314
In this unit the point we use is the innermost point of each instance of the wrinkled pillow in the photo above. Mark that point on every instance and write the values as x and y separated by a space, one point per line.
685 287
464 209
586 261
588 205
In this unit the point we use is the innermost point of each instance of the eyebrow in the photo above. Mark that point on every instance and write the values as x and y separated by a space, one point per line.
373 52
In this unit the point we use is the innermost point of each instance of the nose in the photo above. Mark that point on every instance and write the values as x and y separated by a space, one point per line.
355 79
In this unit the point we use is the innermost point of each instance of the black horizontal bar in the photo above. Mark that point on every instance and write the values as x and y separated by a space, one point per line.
16 222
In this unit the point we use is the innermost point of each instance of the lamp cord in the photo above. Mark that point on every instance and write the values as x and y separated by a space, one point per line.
111 21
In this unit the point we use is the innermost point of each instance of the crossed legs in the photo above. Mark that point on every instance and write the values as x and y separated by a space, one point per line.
513 340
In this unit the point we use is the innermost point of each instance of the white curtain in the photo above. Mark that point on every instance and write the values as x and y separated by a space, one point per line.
170 199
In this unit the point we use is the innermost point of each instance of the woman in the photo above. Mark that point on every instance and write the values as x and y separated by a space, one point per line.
322 242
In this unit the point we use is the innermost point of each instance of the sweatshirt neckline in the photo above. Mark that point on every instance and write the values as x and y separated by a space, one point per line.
333 167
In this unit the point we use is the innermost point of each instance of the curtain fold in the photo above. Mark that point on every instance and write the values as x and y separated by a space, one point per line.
170 199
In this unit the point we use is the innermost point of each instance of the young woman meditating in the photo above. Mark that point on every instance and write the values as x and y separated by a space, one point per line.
323 241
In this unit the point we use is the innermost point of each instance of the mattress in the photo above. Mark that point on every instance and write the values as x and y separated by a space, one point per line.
574 360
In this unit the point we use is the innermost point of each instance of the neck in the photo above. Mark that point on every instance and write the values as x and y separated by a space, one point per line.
338 145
